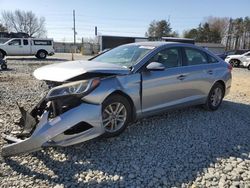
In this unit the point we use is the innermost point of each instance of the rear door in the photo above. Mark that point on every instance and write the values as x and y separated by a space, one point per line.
26 47
197 72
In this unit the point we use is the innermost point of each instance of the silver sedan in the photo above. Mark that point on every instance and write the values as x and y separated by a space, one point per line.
102 96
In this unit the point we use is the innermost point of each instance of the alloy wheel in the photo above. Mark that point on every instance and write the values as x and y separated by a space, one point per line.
216 96
42 54
234 63
114 117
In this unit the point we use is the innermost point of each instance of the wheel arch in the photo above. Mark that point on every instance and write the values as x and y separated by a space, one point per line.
235 59
41 50
222 83
119 92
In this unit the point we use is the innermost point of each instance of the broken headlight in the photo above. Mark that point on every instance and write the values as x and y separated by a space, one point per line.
78 88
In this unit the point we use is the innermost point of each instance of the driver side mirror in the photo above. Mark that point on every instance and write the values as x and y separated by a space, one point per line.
155 66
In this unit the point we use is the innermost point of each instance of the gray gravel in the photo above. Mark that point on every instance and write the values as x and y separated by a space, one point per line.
182 148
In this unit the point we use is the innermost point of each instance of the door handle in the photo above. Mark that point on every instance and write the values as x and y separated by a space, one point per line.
210 71
181 77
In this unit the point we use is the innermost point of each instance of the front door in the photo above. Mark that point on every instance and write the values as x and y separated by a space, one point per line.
161 88
15 47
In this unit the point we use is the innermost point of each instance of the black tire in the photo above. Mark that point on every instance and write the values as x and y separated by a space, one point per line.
2 55
41 54
209 105
117 99
235 62
248 67
3 66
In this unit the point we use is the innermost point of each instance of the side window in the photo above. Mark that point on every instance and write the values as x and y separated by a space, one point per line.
169 57
16 42
43 42
212 59
248 54
195 57
25 42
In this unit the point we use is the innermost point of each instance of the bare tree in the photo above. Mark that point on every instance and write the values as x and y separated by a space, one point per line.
26 22
238 34
219 24
2 28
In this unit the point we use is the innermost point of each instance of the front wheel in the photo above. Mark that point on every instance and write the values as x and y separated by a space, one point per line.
116 115
215 97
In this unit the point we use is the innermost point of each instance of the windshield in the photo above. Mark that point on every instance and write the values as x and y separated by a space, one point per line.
126 55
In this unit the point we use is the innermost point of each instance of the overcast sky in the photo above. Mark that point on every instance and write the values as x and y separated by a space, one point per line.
124 17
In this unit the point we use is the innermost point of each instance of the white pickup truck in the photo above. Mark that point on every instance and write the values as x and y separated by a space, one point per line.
41 48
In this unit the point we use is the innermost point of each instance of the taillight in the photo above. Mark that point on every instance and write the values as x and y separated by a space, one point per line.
229 67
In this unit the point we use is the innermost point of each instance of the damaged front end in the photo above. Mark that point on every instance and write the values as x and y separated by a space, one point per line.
61 118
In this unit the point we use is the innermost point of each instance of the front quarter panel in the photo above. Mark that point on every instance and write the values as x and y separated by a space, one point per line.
127 84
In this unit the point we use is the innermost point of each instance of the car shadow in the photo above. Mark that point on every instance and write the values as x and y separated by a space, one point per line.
189 141
6 70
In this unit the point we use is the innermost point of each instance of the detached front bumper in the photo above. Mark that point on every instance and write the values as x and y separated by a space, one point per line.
51 53
76 125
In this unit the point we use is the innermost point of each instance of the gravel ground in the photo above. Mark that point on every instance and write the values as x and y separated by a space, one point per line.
189 147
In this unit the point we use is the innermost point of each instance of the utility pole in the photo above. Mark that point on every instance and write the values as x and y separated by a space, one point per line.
95 30
74 27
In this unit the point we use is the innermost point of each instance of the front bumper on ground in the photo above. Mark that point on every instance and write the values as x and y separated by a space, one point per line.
51 132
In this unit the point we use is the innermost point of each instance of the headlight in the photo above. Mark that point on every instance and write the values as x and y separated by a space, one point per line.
78 88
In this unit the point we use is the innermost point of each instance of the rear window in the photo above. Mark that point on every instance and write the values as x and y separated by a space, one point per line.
43 42
25 42
195 57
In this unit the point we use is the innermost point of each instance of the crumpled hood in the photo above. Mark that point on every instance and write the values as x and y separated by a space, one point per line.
60 72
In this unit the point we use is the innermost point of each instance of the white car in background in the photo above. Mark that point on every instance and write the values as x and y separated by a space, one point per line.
41 48
237 60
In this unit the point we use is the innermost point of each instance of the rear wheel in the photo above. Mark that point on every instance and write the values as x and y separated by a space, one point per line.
215 97
116 114
235 62
41 54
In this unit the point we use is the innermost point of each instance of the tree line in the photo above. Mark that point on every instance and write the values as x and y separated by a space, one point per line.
237 35
233 33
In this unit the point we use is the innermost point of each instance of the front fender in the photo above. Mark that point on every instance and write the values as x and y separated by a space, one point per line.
130 85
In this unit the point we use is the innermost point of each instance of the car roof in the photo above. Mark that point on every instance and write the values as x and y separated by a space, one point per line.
161 43
154 43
